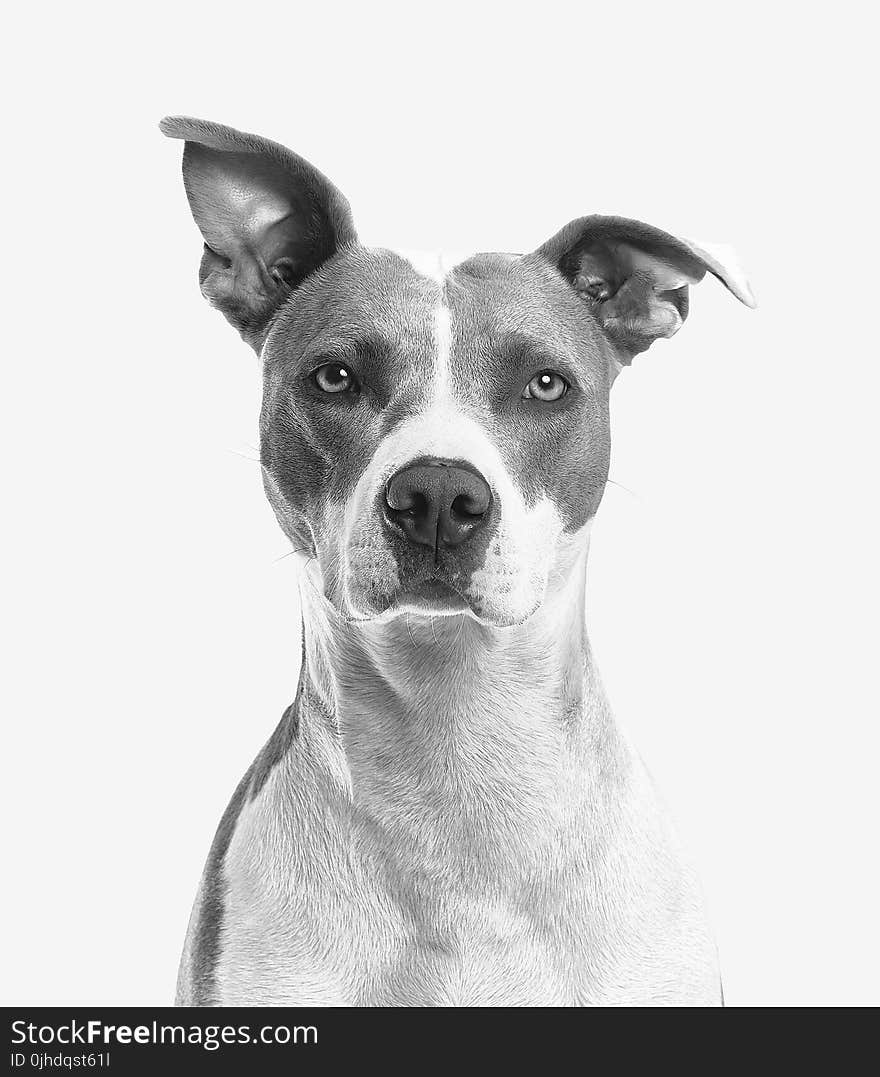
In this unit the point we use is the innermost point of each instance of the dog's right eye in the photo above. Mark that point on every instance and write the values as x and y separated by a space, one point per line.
334 378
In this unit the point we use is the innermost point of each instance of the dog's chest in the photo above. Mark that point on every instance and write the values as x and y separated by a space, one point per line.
327 912
322 907
386 950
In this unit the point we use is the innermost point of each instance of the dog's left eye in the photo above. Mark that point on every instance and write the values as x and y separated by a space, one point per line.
547 386
334 378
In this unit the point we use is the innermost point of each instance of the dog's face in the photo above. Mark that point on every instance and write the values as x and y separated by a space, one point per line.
435 435
435 438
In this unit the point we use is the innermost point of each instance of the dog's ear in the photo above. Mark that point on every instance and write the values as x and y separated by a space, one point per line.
635 277
268 219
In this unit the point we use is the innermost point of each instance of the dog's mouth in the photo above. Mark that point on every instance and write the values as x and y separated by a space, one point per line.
431 596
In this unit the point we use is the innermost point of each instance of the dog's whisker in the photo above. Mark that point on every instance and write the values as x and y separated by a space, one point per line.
291 553
614 482
244 456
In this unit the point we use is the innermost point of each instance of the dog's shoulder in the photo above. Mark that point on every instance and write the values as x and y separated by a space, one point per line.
196 982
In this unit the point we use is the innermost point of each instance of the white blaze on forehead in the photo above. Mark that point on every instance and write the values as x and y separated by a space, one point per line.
435 265
428 264
442 346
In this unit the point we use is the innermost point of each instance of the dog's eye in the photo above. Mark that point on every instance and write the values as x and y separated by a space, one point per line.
547 386
334 378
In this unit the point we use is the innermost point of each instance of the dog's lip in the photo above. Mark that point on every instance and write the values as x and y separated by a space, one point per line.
432 592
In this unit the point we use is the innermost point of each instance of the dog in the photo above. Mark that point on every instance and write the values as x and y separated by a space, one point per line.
447 814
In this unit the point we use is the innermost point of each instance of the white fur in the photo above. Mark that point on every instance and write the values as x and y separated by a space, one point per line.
443 337
728 260
459 823
435 265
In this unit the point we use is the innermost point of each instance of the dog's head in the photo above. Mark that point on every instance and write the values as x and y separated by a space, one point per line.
436 435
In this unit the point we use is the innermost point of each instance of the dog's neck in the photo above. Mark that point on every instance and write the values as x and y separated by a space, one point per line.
459 736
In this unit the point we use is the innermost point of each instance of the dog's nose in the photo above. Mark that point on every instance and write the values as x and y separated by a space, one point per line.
437 503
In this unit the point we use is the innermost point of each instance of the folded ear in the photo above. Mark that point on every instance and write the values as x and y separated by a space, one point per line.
268 219
636 277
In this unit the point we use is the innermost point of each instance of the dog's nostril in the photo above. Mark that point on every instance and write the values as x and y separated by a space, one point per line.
469 507
406 500
418 505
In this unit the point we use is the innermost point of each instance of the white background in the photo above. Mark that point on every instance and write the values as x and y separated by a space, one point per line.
152 634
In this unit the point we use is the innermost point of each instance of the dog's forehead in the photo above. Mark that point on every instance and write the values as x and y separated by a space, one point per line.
492 293
392 296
